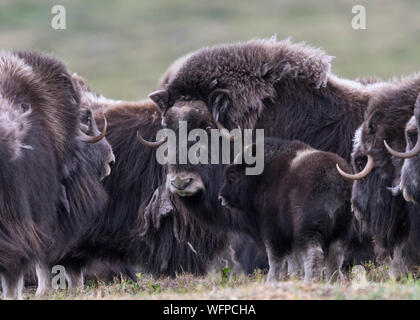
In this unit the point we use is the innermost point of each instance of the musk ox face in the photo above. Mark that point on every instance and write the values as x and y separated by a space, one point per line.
373 199
374 170
96 147
370 160
234 192
206 111
360 197
410 172
187 180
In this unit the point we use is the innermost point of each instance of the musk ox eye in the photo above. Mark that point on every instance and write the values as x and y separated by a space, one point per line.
207 126
231 179
360 162
412 137
87 117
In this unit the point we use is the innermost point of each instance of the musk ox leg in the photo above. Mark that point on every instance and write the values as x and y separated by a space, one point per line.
277 266
75 279
12 287
44 279
313 261
398 265
283 270
334 261
293 265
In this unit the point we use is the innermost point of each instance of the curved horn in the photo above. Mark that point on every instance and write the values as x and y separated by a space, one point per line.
368 168
151 144
225 132
404 155
89 139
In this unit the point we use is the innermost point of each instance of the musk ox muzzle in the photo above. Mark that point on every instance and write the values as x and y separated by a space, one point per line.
108 166
184 184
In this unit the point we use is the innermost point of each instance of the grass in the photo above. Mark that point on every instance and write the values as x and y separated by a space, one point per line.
363 283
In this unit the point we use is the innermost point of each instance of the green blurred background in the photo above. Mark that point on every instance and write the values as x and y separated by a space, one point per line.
123 47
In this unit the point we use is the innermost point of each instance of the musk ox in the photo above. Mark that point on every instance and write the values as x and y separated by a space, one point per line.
284 88
390 219
80 194
410 172
142 226
300 204
82 198
246 256
38 129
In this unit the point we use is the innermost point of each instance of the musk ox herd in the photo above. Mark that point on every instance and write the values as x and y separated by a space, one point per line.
81 187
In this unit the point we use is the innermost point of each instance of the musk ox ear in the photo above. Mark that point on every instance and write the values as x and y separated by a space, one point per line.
374 122
266 68
218 103
63 198
160 97
70 85
416 110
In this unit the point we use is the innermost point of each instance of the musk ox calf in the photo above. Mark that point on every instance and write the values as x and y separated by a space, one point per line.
300 204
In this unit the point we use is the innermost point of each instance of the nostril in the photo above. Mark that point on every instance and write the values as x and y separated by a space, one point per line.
180 183
112 163
187 182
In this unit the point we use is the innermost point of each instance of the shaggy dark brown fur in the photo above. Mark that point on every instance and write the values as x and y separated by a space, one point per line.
273 85
303 214
52 78
410 172
38 132
284 88
142 225
388 216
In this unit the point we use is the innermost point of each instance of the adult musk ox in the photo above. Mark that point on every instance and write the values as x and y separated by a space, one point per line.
391 220
410 172
142 226
409 188
301 205
83 198
38 122
284 88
